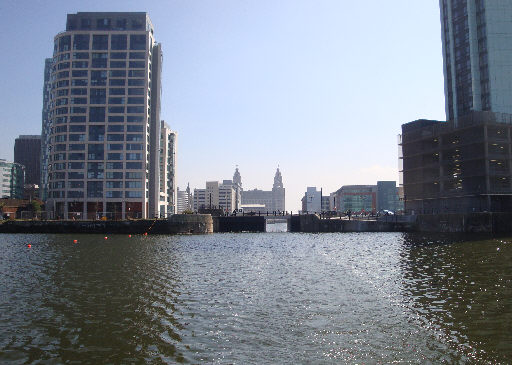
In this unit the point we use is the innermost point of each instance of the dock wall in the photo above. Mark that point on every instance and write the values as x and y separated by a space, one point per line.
176 224
465 223
239 224
311 223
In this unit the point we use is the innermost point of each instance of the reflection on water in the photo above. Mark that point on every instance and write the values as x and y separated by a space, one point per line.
255 298
463 290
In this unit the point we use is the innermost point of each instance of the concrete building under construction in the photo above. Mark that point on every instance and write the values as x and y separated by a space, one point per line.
463 167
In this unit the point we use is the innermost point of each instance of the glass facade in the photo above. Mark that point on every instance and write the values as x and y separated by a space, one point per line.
12 180
465 52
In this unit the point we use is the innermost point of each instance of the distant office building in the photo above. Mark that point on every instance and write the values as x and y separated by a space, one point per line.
312 201
199 199
274 200
168 192
458 168
219 196
184 200
326 204
12 179
477 39
31 191
387 196
27 152
356 198
227 198
212 194
257 197
105 117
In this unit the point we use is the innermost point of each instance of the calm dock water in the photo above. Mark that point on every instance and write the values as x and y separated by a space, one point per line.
255 299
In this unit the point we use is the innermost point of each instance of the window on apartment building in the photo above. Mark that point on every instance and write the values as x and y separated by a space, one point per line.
75 184
114 165
116 109
114 175
97 114
81 42
99 42
136 82
134 118
117 55
80 55
103 23
116 118
138 42
118 42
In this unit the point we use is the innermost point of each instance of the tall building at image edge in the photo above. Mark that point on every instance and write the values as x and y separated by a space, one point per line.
477 43
104 119
464 164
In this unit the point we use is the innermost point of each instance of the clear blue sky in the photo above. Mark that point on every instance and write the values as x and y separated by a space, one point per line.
320 87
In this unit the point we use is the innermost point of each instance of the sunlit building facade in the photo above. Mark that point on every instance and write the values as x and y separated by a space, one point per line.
12 179
105 118
168 191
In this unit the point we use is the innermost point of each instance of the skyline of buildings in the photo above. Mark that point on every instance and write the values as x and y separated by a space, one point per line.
229 196
52 25
462 23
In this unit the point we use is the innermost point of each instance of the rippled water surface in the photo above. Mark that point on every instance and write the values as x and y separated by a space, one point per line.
255 299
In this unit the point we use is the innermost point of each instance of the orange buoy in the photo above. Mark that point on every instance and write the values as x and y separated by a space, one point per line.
129 236
106 237
29 245
145 233
75 241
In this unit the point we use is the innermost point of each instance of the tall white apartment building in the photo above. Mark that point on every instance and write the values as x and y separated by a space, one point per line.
104 112
168 192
